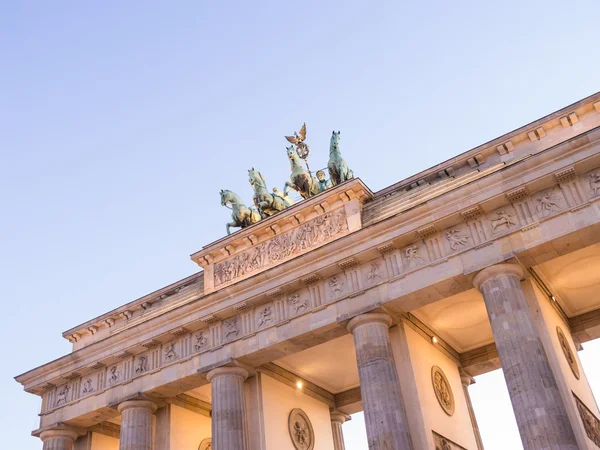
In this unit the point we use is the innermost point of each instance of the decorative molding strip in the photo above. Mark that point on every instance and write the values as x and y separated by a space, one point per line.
517 194
310 279
152 343
565 174
347 263
472 212
386 248
426 231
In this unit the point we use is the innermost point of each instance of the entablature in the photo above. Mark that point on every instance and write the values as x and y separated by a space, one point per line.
391 260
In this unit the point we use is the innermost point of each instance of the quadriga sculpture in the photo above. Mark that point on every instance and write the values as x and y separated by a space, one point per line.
338 169
241 215
266 202
300 180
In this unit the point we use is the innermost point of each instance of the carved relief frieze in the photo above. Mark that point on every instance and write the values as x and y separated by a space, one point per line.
549 201
442 389
169 352
114 375
63 394
265 315
87 387
141 364
457 239
200 341
298 303
301 430
443 443
230 329
282 247
503 220
414 256
374 272
569 355
592 182
336 285
591 424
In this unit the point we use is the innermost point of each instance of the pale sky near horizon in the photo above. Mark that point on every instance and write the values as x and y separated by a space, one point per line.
121 121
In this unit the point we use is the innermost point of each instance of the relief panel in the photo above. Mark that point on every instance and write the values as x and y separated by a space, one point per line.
591 183
414 256
283 247
549 201
501 221
298 302
591 424
374 272
443 443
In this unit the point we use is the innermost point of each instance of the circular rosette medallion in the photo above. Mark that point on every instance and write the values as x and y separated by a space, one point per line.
206 444
301 430
569 355
442 390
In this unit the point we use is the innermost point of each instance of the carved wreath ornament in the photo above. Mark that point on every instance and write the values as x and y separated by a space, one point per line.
301 430
442 390
569 355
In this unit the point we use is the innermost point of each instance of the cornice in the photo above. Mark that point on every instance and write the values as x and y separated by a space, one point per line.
535 173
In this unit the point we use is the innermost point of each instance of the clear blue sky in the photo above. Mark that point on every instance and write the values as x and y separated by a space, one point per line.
120 122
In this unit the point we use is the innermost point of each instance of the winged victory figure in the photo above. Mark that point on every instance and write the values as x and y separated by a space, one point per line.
298 140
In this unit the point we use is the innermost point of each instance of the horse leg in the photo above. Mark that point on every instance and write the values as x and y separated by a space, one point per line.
287 187
231 224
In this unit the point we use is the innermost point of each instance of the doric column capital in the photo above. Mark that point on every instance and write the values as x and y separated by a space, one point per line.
369 318
227 371
59 433
140 404
466 379
498 270
339 417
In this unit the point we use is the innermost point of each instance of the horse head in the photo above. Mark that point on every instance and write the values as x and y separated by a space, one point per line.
292 153
334 144
256 178
224 197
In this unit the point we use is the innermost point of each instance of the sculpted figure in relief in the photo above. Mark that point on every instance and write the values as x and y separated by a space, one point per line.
201 341
141 364
413 257
304 237
114 375
374 273
230 327
63 395
336 284
265 316
548 203
504 219
170 353
456 239
594 179
338 169
241 215
301 435
87 386
297 304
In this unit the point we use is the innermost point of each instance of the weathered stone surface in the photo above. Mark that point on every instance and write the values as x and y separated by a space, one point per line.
136 425
385 418
228 408
337 420
62 439
540 412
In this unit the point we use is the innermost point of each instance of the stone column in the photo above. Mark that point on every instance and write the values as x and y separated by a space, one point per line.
385 418
539 409
136 425
59 439
337 420
228 408
467 380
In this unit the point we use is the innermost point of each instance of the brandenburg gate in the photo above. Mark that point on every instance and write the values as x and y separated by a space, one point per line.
387 302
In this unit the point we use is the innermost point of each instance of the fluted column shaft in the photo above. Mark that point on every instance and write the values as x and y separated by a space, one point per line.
467 381
385 418
228 408
136 425
337 420
58 439
540 412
